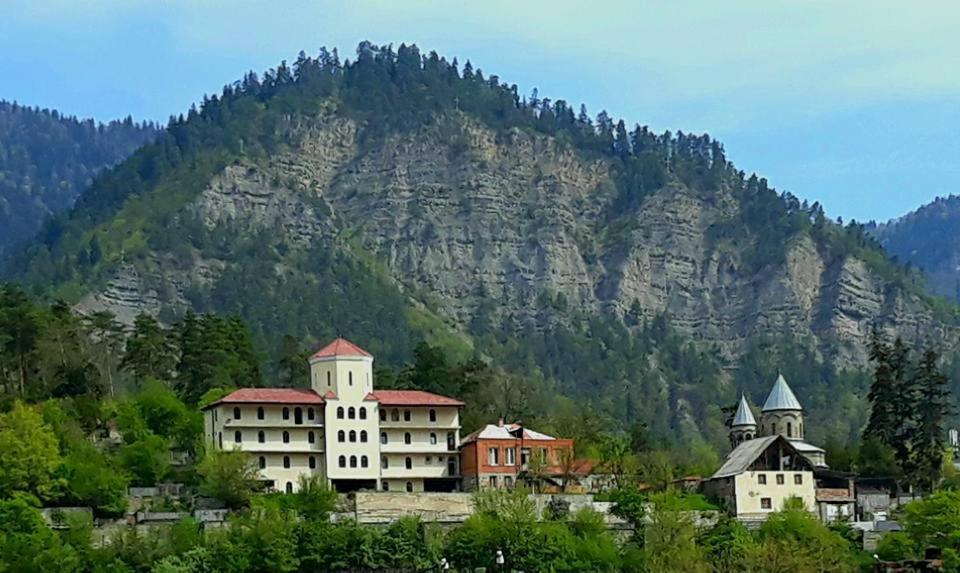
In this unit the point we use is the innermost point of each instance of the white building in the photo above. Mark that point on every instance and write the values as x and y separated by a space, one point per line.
343 429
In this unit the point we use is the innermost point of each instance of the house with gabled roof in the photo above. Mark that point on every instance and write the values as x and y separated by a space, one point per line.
771 462
498 456
342 428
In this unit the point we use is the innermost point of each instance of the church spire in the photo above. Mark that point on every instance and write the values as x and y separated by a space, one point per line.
781 397
743 417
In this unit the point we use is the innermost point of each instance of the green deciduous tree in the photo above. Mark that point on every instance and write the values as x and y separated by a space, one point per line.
29 454
230 476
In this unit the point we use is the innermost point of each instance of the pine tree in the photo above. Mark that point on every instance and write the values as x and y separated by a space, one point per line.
882 423
933 409
150 353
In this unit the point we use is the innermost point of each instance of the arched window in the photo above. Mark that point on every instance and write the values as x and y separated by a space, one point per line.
433 439
433 415
238 436
328 377
310 414
408 463
286 462
353 435
263 462
286 437
363 413
236 413
409 487
220 440
341 436
342 461
363 436
406 415
385 485
350 377
789 429
407 438
773 429
353 461
259 412
298 415
289 487
395 415
351 413
286 413
383 415
451 467
261 437
364 462
383 437
311 437
339 412
313 462
384 462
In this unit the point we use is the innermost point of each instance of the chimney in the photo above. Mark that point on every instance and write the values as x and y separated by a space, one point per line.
500 421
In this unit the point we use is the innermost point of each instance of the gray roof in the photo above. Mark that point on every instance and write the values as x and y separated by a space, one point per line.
743 417
802 446
742 456
781 397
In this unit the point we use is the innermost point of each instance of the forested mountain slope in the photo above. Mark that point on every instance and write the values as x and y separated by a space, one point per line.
399 197
47 159
928 238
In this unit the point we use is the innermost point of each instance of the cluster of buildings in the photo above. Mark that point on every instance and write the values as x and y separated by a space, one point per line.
358 437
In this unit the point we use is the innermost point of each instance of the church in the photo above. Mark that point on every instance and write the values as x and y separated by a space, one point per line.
771 463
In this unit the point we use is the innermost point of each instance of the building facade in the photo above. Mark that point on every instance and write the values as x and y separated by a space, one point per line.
342 429
498 455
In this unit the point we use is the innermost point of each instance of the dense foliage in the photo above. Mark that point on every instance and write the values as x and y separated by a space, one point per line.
48 159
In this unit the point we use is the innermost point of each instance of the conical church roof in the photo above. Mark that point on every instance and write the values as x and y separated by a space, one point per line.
743 417
781 397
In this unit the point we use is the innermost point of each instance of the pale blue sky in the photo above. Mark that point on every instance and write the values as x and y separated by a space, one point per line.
855 104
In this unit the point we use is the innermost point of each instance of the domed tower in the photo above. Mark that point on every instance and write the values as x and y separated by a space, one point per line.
782 413
744 426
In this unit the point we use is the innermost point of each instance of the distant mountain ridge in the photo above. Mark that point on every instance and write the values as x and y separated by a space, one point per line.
400 197
929 239
47 159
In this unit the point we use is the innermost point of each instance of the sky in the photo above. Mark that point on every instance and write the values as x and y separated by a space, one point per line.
851 103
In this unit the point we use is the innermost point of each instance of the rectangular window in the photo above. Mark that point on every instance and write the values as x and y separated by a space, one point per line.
765 503
507 482
779 479
493 481
798 479
543 455
511 457
762 479
493 456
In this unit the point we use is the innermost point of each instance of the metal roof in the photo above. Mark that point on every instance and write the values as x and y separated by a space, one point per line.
743 455
781 397
743 417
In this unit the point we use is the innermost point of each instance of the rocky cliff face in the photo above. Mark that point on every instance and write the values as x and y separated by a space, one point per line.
458 214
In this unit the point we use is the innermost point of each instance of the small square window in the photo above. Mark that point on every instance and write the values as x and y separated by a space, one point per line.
798 479
766 503
762 479
780 480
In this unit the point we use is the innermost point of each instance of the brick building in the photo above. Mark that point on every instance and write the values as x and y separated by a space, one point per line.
498 455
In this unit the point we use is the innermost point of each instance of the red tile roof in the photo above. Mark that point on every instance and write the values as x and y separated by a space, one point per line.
413 398
271 396
341 347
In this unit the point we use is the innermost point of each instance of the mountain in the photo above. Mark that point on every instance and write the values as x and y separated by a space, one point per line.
397 197
929 239
47 159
